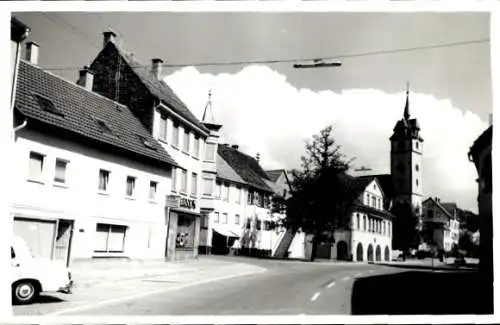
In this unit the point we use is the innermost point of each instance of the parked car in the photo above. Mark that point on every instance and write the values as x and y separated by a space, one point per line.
30 275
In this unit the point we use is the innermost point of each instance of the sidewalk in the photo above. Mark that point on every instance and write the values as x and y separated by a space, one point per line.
102 272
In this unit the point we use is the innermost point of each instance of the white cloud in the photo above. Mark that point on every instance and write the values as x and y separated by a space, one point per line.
264 113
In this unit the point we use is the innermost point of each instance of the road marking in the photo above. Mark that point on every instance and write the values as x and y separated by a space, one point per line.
346 278
316 295
149 293
331 284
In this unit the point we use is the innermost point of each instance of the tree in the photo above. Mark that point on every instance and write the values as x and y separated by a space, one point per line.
405 233
322 195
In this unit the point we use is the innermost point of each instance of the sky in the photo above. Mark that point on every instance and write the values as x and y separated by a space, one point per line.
272 109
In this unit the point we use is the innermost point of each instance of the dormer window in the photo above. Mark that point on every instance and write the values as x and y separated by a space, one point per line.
47 105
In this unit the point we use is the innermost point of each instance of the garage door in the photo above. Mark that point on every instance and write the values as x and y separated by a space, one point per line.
38 234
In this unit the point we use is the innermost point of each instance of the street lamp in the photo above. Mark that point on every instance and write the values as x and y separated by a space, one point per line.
318 63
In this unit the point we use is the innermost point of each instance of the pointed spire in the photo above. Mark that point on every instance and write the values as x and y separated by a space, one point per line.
208 115
208 110
406 113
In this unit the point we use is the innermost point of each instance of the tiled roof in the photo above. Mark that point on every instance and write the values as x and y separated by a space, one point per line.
225 171
159 88
440 206
274 174
246 167
74 109
449 206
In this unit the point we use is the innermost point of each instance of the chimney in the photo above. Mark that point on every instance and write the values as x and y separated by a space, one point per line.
156 68
86 78
109 36
32 49
235 146
257 157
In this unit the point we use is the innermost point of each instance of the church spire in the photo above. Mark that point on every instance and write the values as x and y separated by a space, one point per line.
406 113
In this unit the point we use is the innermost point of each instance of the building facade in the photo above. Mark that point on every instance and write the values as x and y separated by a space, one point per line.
119 77
368 238
440 226
481 155
91 181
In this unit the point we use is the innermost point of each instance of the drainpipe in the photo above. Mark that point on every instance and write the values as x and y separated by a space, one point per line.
20 127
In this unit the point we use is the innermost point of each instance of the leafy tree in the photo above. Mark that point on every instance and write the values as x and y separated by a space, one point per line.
405 234
322 195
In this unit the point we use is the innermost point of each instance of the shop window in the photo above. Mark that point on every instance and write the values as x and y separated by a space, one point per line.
109 238
185 231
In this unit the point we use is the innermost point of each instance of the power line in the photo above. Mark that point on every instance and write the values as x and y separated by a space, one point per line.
290 60
73 29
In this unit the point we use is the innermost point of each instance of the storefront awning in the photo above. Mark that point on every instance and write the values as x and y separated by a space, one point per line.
226 232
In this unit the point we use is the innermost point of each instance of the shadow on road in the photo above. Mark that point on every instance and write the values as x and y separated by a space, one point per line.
420 292
43 299
441 267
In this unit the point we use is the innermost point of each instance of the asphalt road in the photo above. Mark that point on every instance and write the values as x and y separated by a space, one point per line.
290 288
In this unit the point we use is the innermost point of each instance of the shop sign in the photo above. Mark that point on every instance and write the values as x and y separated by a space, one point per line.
187 203
172 201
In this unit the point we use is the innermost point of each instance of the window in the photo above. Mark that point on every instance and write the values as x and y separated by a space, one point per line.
208 185
237 219
225 192
374 201
12 254
163 128
258 224
357 221
47 105
36 166
194 184
184 177
216 217
250 198
417 168
224 218
204 221
364 223
238 194
416 182
186 142
416 144
103 180
196 148
383 227
218 186
152 190
210 152
175 135
103 126
130 186
109 238
60 173
174 179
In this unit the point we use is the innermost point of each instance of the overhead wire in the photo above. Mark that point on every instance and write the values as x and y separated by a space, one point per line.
291 60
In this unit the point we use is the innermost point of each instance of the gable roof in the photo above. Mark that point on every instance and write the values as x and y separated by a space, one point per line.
385 182
274 175
157 88
225 171
246 167
439 205
450 206
60 105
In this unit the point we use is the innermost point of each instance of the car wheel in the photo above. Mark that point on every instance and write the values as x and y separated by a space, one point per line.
24 292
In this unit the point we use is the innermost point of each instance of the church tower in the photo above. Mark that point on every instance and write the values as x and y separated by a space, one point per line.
406 159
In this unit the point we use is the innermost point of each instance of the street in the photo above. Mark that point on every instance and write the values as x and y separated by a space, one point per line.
276 287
